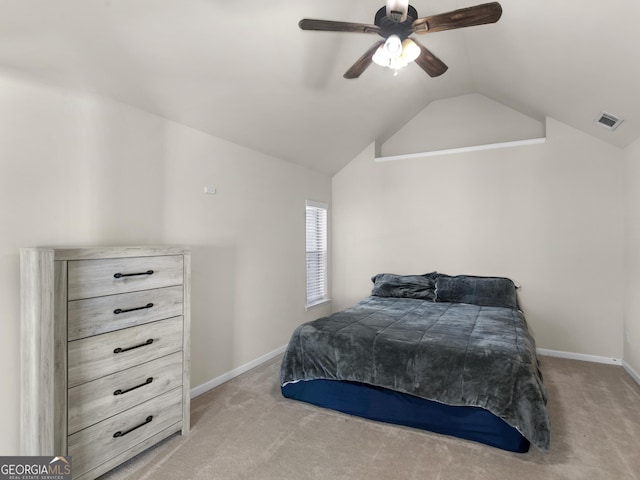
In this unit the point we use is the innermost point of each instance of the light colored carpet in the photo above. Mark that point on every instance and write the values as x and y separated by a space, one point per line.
245 429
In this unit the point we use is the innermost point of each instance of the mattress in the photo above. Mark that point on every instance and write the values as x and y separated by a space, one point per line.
453 354
381 404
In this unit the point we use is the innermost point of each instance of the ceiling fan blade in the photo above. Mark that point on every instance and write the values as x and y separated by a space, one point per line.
333 26
363 62
429 62
464 17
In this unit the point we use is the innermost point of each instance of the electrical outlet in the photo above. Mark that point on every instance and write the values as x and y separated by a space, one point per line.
210 190
627 336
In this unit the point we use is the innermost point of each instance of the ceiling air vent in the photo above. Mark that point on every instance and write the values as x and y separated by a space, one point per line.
608 121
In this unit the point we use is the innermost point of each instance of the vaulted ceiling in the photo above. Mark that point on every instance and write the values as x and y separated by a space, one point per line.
245 72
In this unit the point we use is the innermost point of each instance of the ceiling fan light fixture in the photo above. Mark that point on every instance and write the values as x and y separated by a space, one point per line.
393 46
395 53
410 50
380 57
390 50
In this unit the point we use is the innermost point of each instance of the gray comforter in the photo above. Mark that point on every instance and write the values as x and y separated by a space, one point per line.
453 353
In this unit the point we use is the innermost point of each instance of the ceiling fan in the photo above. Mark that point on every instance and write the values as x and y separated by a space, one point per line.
395 22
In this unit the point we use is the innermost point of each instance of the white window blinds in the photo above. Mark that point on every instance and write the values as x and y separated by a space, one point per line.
316 253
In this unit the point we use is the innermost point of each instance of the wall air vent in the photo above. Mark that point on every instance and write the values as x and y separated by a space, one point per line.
608 121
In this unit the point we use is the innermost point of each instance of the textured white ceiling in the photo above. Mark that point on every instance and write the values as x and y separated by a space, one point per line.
245 72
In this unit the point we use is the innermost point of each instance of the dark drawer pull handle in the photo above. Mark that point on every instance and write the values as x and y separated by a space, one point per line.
121 350
122 392
122 434
118 311
120 275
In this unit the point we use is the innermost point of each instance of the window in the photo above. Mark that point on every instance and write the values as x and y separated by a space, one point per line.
316 253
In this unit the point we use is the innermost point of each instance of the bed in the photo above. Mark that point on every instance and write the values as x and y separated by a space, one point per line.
449 354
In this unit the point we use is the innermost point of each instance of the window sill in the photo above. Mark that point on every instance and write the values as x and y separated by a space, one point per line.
311 306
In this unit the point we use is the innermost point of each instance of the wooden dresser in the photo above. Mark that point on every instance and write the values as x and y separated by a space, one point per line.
105 352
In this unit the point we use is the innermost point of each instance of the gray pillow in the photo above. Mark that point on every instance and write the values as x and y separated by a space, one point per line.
485 291
405 286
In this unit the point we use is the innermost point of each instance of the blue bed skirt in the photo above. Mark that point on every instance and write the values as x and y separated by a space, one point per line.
376 403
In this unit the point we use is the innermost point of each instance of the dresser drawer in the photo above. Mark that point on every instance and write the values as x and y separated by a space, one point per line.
94 357
94 278
98 315
97 444
95 401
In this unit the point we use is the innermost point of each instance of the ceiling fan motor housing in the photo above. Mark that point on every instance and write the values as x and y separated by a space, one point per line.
389 26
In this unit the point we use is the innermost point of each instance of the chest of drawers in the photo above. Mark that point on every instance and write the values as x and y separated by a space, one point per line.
105 352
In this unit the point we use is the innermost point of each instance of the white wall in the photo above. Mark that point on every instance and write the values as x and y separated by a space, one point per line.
79 170
632 258
463 121
249 286
549 216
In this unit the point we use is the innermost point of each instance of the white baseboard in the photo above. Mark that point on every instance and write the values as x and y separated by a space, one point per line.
205 387
592 358
579 356
635 375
